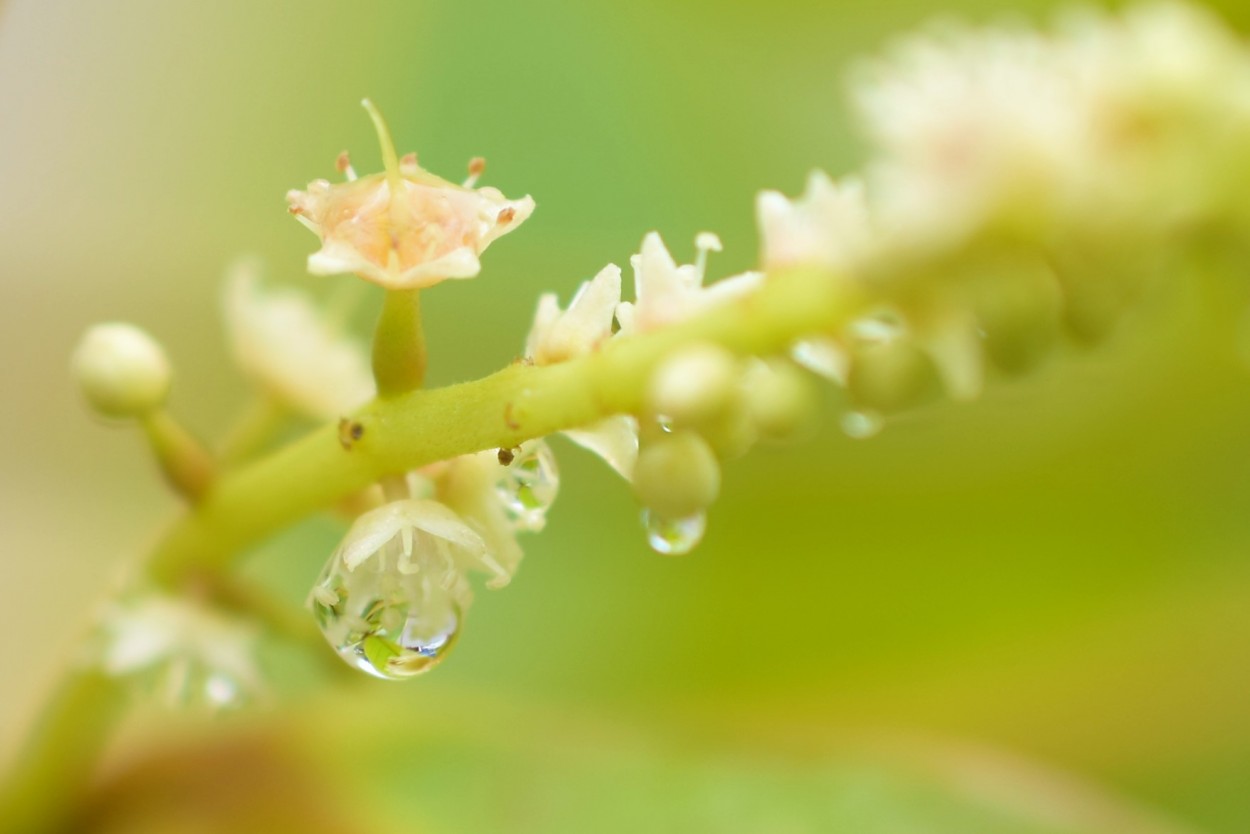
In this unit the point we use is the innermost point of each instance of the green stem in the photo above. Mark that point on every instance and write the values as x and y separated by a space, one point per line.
399 344
59 757
188 467
256 428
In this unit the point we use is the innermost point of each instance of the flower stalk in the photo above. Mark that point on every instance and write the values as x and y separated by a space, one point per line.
186 464
399 345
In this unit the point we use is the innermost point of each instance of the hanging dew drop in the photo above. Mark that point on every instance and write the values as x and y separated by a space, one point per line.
675 537
384 622
862 425
528 486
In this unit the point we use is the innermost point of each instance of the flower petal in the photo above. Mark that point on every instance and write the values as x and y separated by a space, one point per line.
615 439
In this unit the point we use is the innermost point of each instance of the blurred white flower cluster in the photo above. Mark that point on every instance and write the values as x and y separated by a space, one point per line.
1020 185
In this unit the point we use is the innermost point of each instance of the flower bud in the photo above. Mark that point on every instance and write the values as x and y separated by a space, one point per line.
1018 307
780 399
732 433
695 385
677 475
123 372
890 375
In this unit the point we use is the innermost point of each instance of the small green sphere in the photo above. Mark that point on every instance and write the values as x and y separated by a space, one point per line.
677 475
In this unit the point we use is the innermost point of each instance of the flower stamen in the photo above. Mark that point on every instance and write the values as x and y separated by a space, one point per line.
477 165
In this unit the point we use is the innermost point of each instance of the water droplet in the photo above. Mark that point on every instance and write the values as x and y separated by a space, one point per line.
674 537
383 621
528 486
862 425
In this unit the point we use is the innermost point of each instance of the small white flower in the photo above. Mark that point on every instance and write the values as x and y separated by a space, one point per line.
200 653
666 293
828 226
283 343
469 486
557 335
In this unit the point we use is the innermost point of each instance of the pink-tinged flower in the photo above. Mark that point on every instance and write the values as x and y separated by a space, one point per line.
404 228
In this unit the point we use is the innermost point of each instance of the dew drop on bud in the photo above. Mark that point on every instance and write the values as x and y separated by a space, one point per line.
862 425
675 537
384 622
528 486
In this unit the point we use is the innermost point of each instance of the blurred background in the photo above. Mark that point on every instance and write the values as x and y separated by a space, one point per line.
1028 613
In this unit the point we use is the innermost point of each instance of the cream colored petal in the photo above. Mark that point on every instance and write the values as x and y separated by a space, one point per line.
545 316
441 521
459 263
377 527
583 327
626 317
521 210
614 439
730 288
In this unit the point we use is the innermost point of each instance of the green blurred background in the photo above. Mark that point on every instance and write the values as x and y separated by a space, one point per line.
1055 574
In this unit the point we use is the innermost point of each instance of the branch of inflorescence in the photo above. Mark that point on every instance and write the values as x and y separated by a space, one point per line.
390 436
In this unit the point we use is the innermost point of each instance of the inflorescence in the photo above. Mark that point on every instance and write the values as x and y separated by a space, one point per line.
1023 188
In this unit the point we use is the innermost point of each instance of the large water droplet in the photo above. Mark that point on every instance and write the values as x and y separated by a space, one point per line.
384 622
862 425
674 537
529 485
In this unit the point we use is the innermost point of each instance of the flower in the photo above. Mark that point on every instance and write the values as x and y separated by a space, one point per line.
559 335
287 347
666 293
193 651
973 129
473 486
392 597
421 535
587 323
405 228
828 226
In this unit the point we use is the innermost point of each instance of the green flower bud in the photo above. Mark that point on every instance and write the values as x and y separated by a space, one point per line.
890 375
677 475
123 372
695 385
1019 309
780 399
732 434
